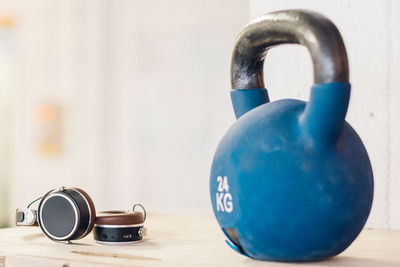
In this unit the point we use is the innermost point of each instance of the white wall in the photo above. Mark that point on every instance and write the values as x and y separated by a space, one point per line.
144 89
7 90
371 33
59 61
169 99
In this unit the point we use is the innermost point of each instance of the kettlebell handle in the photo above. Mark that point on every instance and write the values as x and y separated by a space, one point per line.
310 29
323 117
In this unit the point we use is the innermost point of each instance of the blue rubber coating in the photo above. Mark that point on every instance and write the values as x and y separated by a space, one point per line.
325 113
234 247
244 100
291 179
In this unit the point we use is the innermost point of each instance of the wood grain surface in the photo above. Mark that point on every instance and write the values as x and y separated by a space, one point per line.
176 240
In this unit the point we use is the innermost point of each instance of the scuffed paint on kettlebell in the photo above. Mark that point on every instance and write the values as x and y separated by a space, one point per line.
291 180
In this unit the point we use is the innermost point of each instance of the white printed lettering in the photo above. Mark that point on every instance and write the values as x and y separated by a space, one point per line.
220 185
223 196
226 185
220 205
228 202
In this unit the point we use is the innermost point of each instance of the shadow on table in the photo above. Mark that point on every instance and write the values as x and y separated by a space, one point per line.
356 261
32 236
336 261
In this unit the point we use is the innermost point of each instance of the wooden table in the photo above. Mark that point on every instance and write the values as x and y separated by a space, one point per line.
176 240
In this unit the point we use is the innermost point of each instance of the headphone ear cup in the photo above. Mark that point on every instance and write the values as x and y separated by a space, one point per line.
119 217
66 214
92 218
120 227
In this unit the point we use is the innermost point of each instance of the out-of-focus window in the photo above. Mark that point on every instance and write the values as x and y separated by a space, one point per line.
7 78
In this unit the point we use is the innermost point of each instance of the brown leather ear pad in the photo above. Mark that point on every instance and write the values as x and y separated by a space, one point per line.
119 217
92 209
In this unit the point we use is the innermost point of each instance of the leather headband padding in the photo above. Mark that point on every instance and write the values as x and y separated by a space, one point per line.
119 217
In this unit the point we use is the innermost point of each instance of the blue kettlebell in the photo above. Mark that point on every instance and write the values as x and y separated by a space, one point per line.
291 180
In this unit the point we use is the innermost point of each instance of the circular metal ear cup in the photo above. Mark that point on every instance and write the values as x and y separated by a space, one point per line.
66 214
119 227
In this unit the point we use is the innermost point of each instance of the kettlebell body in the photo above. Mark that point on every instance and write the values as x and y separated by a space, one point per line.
290 180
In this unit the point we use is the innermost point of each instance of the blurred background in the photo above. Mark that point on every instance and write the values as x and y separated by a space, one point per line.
129 99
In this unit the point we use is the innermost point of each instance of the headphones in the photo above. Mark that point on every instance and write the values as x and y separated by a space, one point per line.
67 214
